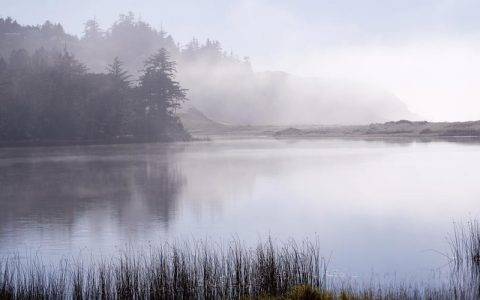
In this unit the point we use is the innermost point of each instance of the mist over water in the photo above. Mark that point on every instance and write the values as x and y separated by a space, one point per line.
376 207
128 128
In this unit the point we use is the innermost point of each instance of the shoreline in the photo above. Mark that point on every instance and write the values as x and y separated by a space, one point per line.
412 130
398 129
67 143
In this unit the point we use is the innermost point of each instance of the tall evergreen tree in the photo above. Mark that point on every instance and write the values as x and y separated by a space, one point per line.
118 101
92 31
118 73
161 94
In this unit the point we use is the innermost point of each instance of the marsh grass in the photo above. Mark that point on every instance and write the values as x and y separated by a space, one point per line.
167 272
201 270
465 259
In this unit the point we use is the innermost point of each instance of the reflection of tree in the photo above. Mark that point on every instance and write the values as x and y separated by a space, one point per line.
58 190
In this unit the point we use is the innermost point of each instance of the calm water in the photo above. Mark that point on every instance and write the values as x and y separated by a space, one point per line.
376 207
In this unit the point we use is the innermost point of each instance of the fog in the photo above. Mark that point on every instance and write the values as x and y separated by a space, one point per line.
321 62
239 149
436 79
235 96
424 52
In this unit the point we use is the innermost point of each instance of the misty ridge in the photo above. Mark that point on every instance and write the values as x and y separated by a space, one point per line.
221 85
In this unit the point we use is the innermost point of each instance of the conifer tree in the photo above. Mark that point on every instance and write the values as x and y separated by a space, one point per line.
161 94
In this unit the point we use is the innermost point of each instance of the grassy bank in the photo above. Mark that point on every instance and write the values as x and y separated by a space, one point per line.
202 271
402 128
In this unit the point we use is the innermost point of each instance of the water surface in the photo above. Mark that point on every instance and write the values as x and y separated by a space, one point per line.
375 206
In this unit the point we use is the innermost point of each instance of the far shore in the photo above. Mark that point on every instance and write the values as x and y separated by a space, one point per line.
400 129
403 129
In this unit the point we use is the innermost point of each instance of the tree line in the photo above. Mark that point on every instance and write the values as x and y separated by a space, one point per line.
128 37
50 95
219 83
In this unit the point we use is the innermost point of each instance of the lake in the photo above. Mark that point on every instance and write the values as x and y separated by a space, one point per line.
376 207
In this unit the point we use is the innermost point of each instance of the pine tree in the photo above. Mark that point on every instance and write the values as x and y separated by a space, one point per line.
116 71
92 30
121 116
161 94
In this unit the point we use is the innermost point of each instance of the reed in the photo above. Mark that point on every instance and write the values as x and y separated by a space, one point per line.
192 271
201 270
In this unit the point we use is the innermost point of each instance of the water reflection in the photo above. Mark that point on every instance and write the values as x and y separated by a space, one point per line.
374 205
61 193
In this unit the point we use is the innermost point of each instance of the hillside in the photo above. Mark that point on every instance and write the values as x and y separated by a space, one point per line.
221 85
194 120
277 98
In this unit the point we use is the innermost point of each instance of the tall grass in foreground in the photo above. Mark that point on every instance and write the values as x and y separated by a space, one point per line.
465 265
202 271
167 272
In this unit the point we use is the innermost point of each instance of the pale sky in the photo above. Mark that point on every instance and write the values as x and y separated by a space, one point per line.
426 52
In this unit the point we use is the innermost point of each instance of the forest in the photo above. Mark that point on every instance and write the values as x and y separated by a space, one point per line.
51 96
225 87
48 94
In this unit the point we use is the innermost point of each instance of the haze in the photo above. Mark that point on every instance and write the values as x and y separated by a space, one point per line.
239 149
424 52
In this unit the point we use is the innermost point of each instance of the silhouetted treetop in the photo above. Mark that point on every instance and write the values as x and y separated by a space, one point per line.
92 31
160 62
158 84
118 73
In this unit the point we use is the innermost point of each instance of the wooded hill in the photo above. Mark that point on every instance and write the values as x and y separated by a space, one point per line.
221 85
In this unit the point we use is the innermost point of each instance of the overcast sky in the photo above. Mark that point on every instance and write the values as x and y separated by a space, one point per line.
426 52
